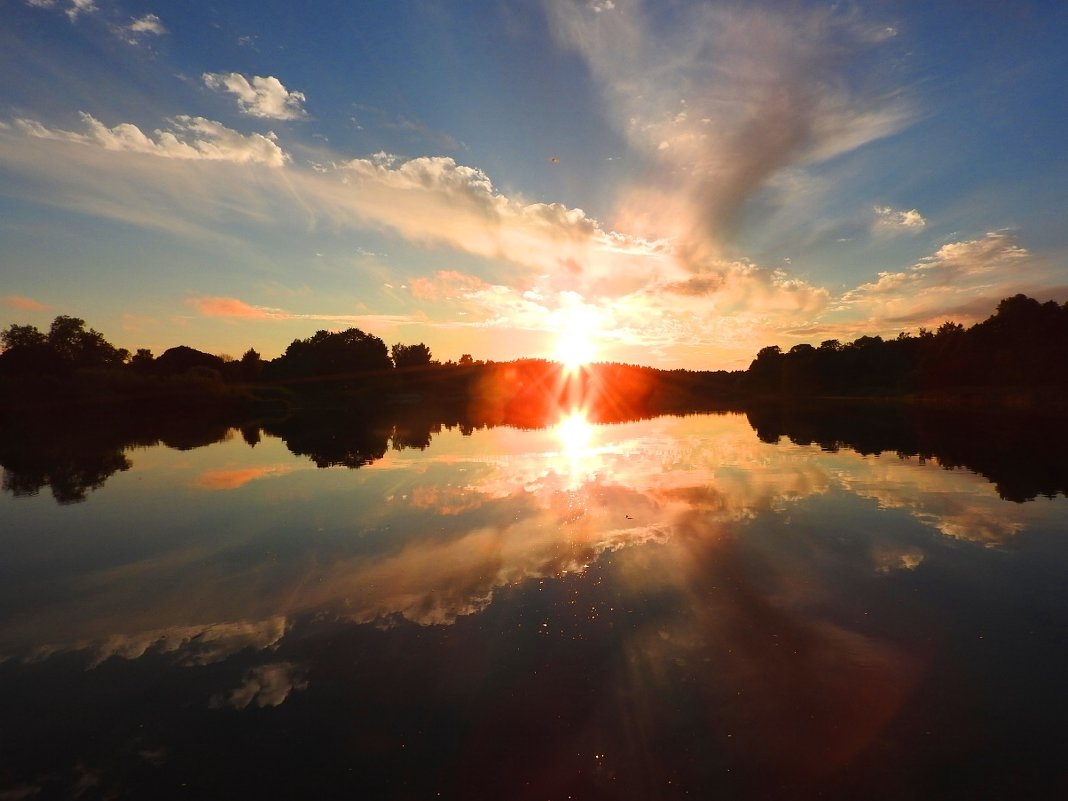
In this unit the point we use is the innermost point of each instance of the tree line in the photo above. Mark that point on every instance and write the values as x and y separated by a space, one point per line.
68 346
1022 346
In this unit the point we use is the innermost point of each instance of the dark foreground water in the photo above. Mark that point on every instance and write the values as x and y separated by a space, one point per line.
682 607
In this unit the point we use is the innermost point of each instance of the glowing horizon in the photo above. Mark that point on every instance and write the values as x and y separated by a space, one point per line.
715 186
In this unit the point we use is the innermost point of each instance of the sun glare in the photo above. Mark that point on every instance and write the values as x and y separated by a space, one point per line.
577 346
575 433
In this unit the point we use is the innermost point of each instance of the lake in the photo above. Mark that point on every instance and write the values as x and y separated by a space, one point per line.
779 604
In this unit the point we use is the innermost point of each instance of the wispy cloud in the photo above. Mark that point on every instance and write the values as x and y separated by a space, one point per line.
74 8
955 274
547 258
234 308
194 645
236 478
719 99
23 303
259 97
78 7
189 138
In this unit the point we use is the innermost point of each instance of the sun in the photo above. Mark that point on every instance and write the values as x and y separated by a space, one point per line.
577 343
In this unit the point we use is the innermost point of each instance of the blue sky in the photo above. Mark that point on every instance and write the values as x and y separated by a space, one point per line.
670 183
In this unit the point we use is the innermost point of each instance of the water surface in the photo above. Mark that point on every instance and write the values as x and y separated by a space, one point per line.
668 608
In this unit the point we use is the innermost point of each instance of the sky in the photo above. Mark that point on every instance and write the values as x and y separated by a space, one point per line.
668 183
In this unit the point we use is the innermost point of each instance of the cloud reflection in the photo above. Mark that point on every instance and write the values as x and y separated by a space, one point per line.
266 685
238 477
429 536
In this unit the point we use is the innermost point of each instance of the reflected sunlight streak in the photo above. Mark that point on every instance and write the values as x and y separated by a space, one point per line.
575 433
579 460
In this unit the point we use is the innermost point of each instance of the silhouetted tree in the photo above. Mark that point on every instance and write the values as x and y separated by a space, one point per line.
68 346
142 359
410 355
1024 345
81 348
333 354
251 365
22 336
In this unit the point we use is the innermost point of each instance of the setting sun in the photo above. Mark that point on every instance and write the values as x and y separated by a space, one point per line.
577 346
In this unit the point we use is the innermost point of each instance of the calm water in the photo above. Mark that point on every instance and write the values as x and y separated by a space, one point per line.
669 608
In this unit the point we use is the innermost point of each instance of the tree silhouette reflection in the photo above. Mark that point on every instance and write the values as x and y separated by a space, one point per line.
1022 455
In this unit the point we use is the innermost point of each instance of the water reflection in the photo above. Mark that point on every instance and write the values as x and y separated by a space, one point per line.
644 609
431 534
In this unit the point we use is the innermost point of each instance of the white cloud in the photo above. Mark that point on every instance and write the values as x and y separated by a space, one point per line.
261 97
991 266
75 8
149 23
139 29
719 99
78 7
433 201
891 220
190 138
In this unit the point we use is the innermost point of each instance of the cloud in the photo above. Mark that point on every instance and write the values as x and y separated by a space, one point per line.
23 303
720 99
266 685
890 220
232 307
75 8
446 284
548 248
189 138
78 7
194 645
140 28
742 284
944 278
261 97
235 308
149 23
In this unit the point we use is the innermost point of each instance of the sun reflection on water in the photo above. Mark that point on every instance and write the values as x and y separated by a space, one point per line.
579 459
575 433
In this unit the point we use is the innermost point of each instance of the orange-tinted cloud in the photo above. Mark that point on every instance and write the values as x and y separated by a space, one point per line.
233 479
232 307
444 284
235 308
24 303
